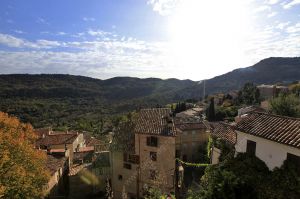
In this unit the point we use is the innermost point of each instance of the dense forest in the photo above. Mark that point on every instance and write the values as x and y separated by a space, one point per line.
78 102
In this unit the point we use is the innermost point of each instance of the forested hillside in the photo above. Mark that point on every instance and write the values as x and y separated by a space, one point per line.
66 100
83 102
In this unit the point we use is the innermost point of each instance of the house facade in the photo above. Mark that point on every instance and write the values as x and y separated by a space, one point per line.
270 91
159 139
54 141
190 136
271 138
152 163
58 184
225 132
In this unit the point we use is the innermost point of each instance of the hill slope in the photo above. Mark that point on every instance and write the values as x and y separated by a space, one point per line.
62 100
267 71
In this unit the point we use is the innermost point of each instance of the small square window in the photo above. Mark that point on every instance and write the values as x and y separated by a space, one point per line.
127 166
152 141
125 157
153 156
153 174
120 177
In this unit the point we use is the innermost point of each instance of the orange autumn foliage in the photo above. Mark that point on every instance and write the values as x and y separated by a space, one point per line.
22 168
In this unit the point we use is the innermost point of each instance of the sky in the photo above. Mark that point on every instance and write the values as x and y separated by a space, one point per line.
184 39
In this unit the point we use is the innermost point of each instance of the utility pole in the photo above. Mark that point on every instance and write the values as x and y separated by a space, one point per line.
203 90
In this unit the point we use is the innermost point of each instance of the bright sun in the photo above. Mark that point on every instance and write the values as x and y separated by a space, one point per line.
206 35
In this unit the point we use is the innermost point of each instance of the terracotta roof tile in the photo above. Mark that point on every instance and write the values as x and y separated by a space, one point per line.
190 126
56 139
55 162
284 130
224 131
155 121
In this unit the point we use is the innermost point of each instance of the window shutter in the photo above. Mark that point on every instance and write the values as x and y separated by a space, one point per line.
148 141
155 142
125 157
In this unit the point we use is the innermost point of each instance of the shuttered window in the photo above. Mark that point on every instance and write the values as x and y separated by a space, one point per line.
152 141
251 147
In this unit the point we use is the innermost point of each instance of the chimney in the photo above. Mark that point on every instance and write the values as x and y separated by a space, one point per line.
169 121
49 131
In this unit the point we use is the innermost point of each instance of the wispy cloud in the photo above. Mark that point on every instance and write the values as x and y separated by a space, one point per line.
272 14
97 58
61 33
272 2
14 42
88 19
291 4
262 8
98 32
163 7
294 28
282 25
42 21
19 31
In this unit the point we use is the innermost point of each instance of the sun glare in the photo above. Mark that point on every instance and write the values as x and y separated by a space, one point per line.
208 34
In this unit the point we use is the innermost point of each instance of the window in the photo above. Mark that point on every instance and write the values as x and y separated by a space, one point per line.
134 159
153 156
127 166
251 147
125 157
152 141
194 132
120 177
153 174
43 147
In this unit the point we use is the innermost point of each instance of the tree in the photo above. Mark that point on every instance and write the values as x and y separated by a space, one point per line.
210 112
286 105
155 193
249 94
247 176
22 168
123 138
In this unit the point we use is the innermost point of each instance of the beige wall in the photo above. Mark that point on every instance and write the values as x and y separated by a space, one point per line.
189 142
272 153
129 179
215 155
164 165
53 180
69 147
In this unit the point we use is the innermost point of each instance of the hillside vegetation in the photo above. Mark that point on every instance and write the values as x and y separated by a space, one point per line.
79 102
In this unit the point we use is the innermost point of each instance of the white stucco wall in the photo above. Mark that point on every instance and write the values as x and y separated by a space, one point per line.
272 153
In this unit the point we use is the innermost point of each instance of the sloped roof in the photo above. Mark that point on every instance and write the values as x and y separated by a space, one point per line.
155 121
55 162
190 126
91 141
56 139
284 130
224 131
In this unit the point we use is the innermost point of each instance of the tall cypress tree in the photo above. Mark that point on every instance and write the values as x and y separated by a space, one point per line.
210 112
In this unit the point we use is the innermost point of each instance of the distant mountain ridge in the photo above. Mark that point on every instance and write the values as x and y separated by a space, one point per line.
268 71
44 99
